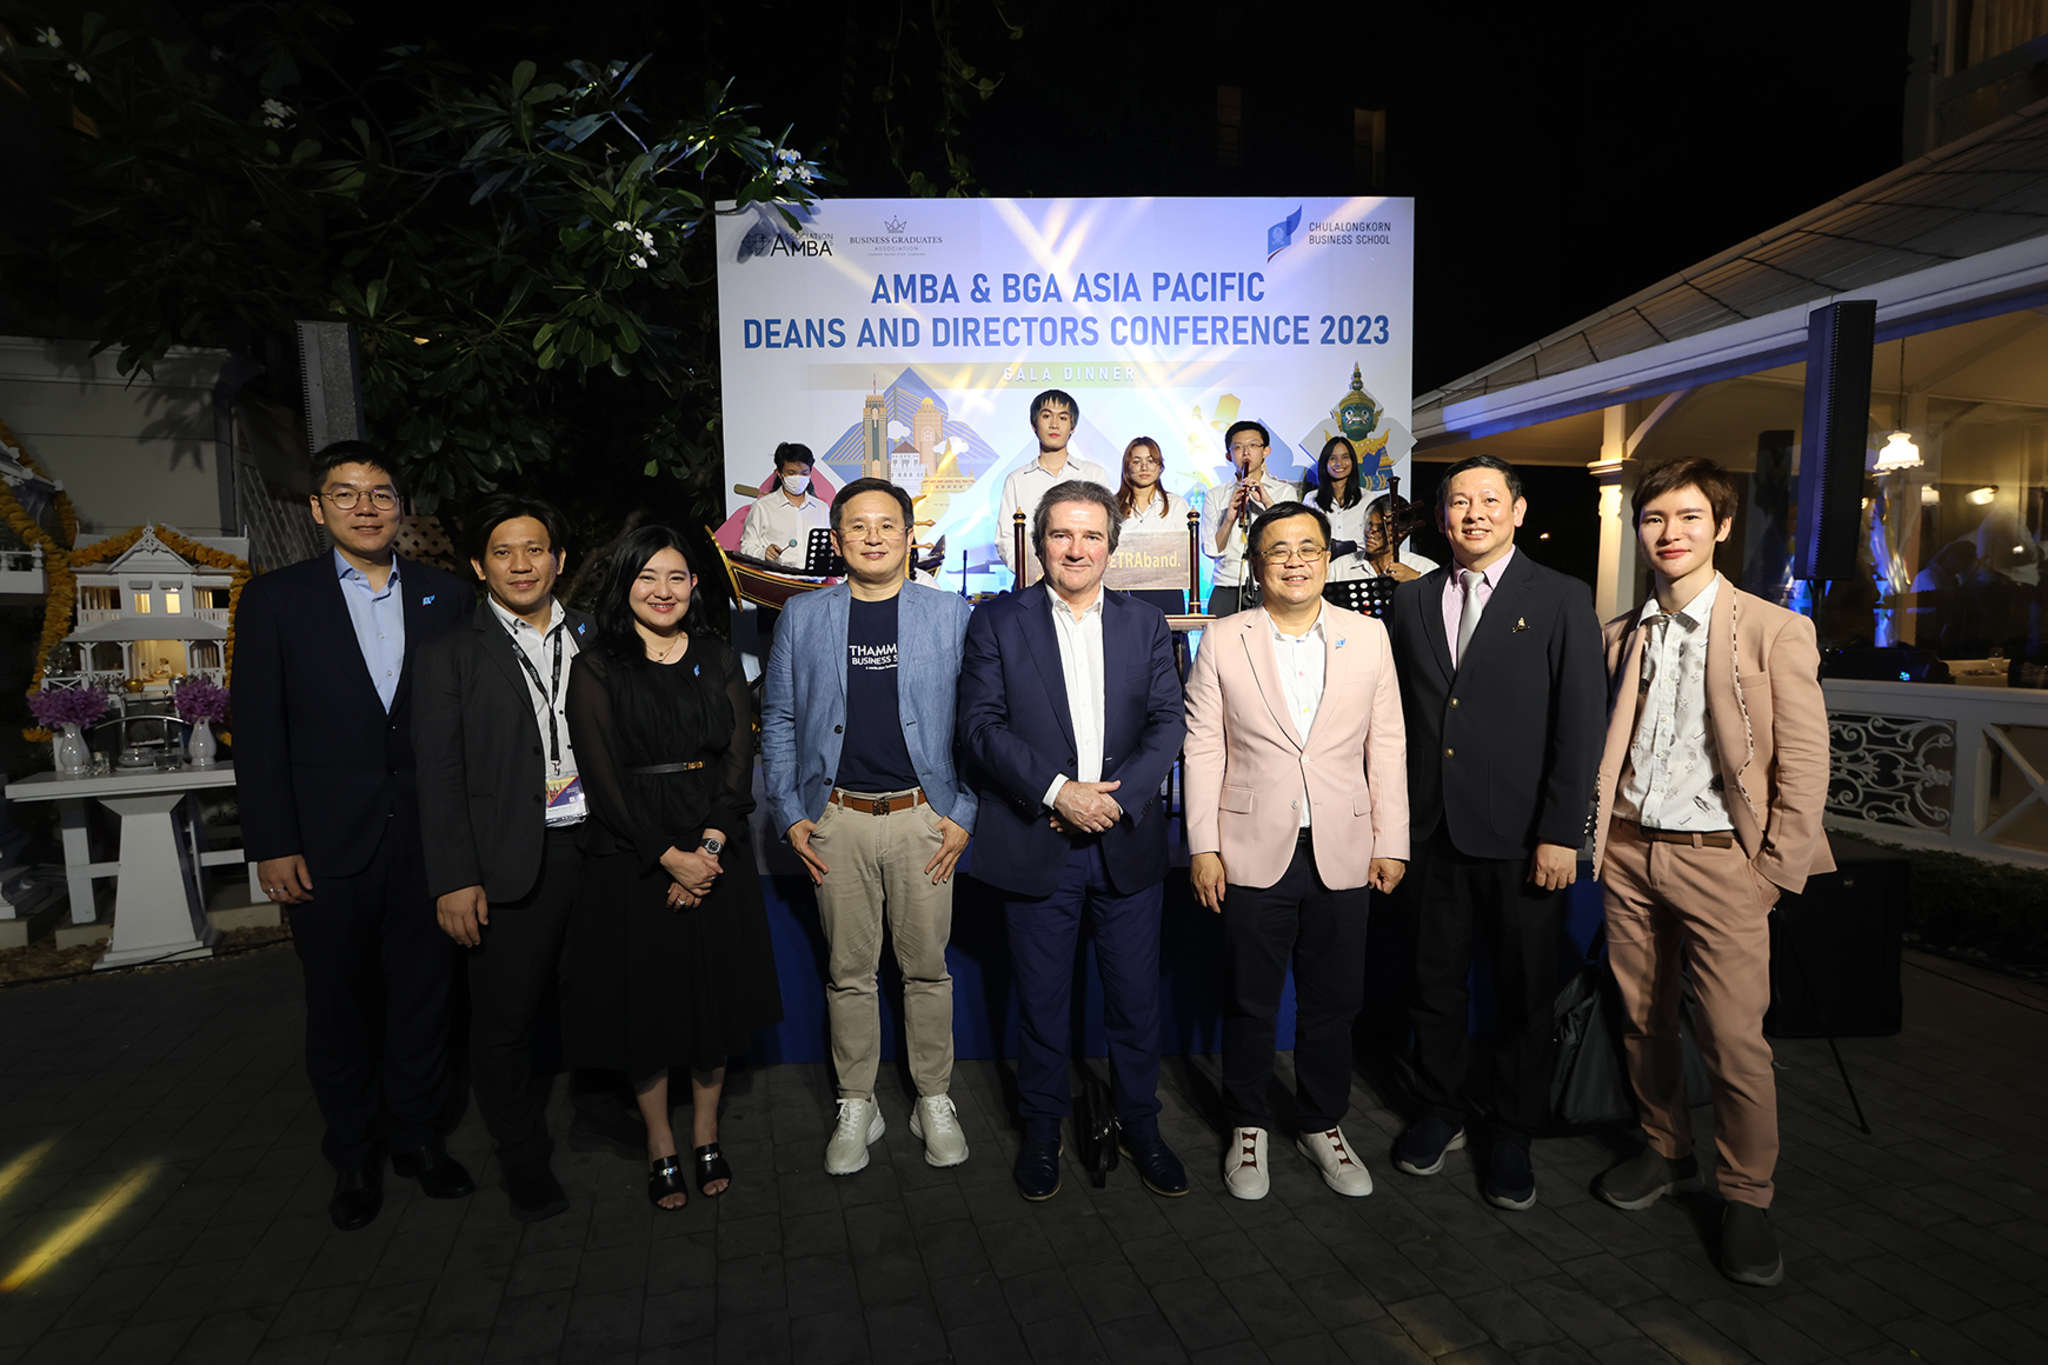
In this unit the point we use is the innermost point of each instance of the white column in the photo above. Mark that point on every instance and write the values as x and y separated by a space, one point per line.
1616 474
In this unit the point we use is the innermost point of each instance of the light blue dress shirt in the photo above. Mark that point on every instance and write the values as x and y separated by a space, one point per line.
379 619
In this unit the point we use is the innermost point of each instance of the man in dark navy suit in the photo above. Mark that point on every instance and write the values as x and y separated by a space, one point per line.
324 762
1070 707
1503 690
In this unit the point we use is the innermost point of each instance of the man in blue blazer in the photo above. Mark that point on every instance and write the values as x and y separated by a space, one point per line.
330 812
857 757
1070 707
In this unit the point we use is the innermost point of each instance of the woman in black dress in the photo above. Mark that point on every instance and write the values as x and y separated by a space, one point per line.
668 963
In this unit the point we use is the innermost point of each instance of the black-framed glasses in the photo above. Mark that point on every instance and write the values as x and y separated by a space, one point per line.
1307 554
346 498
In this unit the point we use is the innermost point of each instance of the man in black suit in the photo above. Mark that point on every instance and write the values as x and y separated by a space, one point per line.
324 762
1502 688
500 806
1070 707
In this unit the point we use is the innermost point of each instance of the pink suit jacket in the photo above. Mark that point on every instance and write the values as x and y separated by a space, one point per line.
1248 771
1770 727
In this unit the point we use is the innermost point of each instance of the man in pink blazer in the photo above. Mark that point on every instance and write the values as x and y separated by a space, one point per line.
1711 790
1297 799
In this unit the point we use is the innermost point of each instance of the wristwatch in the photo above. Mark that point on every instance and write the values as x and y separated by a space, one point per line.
713 846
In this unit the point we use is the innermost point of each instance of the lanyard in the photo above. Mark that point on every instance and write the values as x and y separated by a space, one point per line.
552 698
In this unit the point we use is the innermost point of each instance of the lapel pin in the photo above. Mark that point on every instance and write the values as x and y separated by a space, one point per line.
1339 644
428 600
1521 623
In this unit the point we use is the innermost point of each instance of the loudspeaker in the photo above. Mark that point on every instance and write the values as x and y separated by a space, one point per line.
1834 434
1835 948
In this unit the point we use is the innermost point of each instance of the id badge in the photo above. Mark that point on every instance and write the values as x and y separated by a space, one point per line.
565 800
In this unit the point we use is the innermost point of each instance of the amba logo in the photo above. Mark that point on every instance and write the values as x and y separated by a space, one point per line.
765 242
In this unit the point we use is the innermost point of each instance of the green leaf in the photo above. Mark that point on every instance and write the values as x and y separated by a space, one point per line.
373 294
522 77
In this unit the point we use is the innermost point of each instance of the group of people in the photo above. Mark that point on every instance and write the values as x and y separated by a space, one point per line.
572 789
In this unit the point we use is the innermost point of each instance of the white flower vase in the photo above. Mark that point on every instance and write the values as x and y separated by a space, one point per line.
200 746
68 747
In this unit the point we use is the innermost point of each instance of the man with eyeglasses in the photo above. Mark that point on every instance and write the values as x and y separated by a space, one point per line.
857 760
330 812
1297 799
1228 513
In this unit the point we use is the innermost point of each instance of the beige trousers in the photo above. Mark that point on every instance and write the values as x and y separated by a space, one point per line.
1707 908
877 867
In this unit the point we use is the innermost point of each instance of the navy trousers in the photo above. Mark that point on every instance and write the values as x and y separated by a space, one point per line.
1045 935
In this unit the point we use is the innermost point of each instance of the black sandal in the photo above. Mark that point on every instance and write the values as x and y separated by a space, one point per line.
711 1166
664 1178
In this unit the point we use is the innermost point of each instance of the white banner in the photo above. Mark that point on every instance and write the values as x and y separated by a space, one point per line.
908 338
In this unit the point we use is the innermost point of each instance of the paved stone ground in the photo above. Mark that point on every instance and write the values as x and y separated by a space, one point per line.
181 1093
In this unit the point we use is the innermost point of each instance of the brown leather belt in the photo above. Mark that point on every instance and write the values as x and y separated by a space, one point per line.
1718 838
876 805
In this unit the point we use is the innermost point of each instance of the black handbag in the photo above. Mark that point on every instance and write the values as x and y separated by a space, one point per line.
1589 1084
1095 1123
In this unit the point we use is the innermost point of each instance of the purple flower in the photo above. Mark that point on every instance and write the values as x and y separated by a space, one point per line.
201 699
55 706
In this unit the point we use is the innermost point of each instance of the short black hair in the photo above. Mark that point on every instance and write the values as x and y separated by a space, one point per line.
1075 490
1060 396
860 486
790 450
338 453
500 507
1281 511
1493 462
1265 436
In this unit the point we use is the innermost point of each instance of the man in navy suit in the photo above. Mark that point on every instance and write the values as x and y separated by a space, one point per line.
324 762
857 758
1070 707
1504 694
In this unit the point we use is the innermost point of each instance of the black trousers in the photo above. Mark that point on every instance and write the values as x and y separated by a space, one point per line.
511 977
1457 897
377 968
1323 933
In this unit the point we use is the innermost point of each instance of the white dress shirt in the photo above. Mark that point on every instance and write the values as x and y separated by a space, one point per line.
775 520
1302 661
1230 559
1022 491
1081 669
550 705
1671 781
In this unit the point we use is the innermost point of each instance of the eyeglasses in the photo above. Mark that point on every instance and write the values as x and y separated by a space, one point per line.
345 498
1146 462
1246 448
1307 554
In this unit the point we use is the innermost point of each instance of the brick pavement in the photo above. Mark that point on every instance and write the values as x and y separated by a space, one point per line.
184 1089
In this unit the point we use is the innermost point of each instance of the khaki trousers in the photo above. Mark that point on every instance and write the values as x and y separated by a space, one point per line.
1667 904
877 867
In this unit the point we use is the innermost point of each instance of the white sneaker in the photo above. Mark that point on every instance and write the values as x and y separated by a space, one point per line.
860 1125
934 1120
1332 1156
1244 1165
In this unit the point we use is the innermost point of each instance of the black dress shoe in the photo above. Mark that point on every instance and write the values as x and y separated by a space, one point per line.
440 1175
1038 1169
1157 1166
358 1196
535 1193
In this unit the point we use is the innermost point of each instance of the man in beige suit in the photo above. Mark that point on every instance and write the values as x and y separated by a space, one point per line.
1297 799
1711 789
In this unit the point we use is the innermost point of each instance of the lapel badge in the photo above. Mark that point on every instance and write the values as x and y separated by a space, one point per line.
1338 645
428 600
1521 623
582 627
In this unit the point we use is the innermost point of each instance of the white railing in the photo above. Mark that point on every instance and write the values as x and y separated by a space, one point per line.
1939 765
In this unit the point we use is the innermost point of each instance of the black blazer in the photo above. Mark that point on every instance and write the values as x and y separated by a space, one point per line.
1504 750
1016 728
319 765
482 759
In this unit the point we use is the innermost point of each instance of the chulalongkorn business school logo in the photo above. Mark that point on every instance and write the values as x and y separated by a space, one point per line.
1280 236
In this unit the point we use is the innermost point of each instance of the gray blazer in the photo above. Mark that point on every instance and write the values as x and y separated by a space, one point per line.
803 700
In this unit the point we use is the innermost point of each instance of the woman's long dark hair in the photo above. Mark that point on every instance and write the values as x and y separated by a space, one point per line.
616 637
1127 494
1351 493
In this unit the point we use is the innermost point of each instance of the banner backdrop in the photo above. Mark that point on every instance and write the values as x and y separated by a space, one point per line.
907 338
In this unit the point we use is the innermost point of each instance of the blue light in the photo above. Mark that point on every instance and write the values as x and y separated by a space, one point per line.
1905 676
